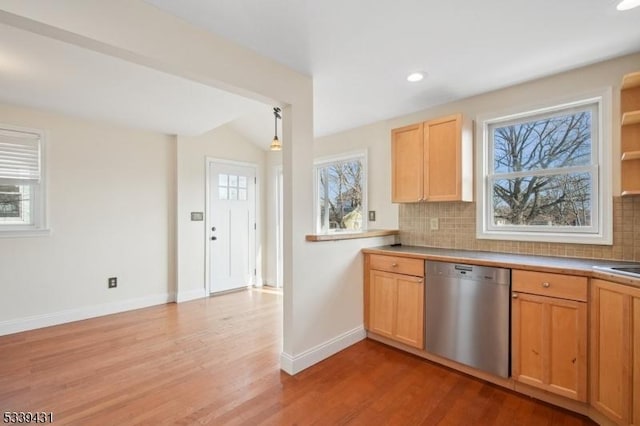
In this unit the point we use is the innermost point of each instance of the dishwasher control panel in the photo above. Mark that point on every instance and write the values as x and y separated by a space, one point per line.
469 272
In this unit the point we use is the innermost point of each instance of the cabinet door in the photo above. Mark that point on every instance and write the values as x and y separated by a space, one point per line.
410 311
635 338
382 302
550 344
442 159
610 375
567 367
527 326
407 164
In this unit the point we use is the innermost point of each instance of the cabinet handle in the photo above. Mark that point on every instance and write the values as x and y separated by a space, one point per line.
394 265
546 285
419 281
514 295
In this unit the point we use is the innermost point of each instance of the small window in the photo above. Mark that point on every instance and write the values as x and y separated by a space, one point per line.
544 175
232 187
22 208
341 195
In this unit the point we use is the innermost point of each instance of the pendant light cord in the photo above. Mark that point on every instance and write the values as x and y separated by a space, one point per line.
276 113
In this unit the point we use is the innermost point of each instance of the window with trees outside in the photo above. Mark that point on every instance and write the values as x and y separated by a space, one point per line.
22 209
341 193
544 175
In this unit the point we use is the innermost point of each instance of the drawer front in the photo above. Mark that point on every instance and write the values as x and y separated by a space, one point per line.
547 284
400 265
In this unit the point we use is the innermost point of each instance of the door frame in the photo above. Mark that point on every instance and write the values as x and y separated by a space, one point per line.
207 215
279 184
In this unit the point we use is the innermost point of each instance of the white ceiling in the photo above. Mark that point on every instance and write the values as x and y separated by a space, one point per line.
358 52
40 72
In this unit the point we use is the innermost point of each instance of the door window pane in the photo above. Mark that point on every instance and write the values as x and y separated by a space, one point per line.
223 193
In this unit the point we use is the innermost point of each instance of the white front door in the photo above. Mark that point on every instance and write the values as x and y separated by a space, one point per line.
232 226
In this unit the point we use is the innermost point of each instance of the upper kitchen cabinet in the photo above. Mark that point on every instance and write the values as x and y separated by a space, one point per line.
407 164
630 134
432 161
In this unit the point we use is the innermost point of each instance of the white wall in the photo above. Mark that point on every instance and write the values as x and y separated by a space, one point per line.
221 143
556 87
111 208
375 139
332 301
158 40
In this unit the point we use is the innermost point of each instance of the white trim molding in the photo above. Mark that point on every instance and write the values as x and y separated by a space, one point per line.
295 364
70 315
185 296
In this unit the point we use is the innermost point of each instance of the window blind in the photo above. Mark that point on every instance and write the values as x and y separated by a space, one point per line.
19 157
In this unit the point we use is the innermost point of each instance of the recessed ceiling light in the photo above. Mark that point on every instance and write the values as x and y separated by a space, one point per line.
415 76
628 4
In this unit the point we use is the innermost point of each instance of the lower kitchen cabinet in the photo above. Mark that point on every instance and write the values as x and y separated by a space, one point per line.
549 334
572 336
615 351
396 307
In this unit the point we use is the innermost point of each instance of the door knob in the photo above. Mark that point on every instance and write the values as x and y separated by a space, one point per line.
214 238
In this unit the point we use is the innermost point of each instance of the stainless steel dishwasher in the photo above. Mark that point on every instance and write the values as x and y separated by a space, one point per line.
467 315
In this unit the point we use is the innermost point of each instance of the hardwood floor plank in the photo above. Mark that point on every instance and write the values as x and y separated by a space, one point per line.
216 361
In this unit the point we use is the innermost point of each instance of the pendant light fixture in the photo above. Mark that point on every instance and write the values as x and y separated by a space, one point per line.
276 145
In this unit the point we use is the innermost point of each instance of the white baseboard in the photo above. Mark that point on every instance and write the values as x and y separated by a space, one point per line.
185 296
295 364
70 315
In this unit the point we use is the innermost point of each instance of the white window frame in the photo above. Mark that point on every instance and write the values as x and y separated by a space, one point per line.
601 231
325 161
38 205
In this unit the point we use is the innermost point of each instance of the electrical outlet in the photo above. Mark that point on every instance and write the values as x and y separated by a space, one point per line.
113 282
433 224
372 215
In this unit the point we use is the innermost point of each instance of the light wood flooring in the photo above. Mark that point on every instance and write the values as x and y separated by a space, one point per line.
216 361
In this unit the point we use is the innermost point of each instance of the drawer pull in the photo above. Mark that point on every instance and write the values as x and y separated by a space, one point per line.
419 281
514 295
546 285
395 265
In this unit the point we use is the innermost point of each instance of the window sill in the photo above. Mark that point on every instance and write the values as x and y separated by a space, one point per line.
351 235
24 233
544 237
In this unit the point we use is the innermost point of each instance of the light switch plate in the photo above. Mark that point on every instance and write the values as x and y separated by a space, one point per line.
372 215
433 224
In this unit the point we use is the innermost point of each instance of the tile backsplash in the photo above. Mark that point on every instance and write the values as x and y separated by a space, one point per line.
457 229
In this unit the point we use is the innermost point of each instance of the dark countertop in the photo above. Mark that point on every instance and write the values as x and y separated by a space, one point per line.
565 265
